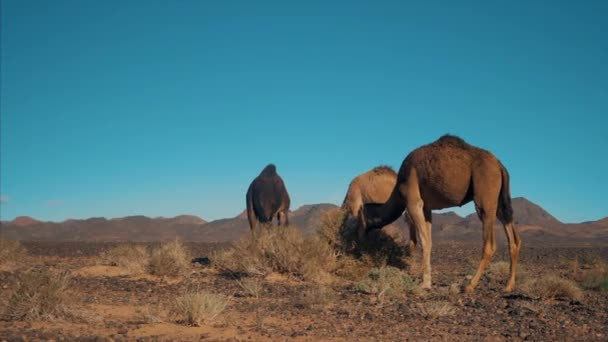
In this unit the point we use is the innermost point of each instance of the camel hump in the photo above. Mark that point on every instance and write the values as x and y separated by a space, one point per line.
449 139
384 169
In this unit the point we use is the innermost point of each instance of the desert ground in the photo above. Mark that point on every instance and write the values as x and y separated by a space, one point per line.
562 294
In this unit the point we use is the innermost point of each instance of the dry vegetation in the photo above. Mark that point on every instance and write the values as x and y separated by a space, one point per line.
436 308
40 295
387 282
133 258
552 286
282 250
11 251
315 297
170 259
596 278
589 271
283 284
197 307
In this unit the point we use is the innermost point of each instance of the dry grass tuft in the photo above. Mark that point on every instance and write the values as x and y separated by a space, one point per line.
170 259
11 251
40 295
436 309
499 269
551 286
595 278
387 282
132 258
278 249
198 307
251 287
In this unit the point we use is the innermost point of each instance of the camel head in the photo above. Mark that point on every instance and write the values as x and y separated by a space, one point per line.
269 170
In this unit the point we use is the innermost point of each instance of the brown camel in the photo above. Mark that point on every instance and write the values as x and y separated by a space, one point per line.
373 186
266 198
446 173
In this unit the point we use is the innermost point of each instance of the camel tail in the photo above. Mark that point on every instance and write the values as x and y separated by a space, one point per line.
250 213
505 209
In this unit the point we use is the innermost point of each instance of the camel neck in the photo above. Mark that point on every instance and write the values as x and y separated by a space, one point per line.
379 215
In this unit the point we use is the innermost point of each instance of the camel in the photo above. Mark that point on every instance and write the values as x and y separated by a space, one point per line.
373 186
267 198
446 173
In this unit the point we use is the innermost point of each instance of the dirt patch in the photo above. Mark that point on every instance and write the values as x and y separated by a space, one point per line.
280 308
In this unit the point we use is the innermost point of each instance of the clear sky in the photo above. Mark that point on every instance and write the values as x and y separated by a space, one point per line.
160 108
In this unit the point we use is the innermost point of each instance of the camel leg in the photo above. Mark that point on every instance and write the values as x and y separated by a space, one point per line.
514 246
421 218
361 225
488 217
413 235
286 218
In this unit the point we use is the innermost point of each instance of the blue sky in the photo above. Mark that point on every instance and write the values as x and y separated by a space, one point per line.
160 108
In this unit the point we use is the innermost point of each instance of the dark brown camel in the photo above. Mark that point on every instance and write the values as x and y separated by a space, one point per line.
446 173
266 198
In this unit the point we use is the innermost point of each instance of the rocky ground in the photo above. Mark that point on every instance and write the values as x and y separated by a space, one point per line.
109 305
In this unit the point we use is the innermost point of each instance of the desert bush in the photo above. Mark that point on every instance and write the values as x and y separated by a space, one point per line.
11 251
330 229
132 258
595 278
551 286
386 282
386 247
382 245
197 307
436 309
278 249
170 259
40 295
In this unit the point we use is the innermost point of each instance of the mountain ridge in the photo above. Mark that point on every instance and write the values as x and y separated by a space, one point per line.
533 222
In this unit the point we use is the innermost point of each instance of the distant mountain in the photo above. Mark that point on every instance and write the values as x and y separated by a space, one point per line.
23 221
130 228
536 226
526 212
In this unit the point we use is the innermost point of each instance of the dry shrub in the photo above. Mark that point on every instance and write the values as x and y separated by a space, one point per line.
499 270
11 251
40 295
198 307
315 297
251 287
170 259
551 286
387 282
385 245
278 249
595 278
331 230
132 258
436 309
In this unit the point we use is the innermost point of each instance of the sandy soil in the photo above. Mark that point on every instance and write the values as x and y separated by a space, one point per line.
115 306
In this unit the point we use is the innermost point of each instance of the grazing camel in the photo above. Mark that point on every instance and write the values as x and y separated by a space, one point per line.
266 198
446 173
373 186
